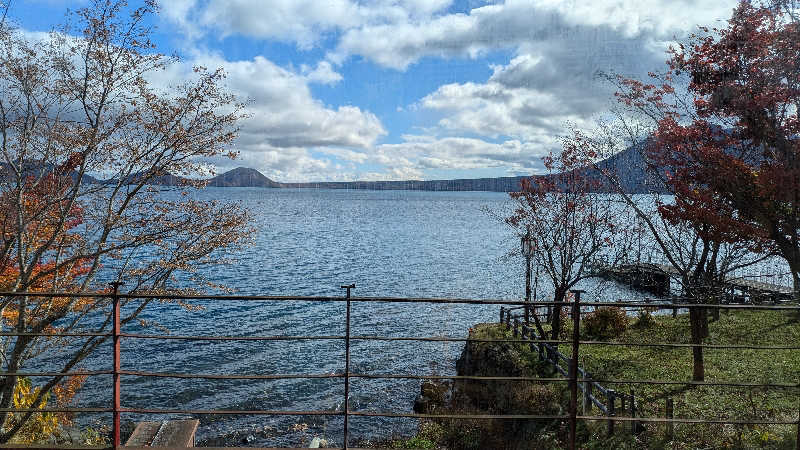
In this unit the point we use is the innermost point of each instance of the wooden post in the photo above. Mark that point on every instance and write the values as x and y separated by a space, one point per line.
674 310
634 424
587 395
670 415
502 311
611 398
516 327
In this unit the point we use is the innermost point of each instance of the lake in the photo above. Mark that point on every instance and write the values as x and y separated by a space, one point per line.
310 242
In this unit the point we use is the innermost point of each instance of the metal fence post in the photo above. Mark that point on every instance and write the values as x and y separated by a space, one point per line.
611 397
115 371
573 369
670 413
347 366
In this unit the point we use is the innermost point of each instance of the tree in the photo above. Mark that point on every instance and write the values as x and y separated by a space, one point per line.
727 149
83 101
570 226
703 246
736 156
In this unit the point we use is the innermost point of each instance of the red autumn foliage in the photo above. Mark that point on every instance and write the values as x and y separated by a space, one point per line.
732 154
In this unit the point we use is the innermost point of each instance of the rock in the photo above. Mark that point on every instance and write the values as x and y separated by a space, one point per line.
318 443
433 395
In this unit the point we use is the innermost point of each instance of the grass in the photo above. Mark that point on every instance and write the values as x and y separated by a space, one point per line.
623 362
750 328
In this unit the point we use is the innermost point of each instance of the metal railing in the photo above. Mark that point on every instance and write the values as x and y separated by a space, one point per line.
575 377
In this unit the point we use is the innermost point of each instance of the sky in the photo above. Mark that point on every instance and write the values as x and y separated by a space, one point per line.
342 90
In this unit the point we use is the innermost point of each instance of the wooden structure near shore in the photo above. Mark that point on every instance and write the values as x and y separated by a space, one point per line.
655 278
171 433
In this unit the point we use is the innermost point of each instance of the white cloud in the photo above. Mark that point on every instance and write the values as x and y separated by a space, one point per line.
559 47
498 110
633 17
546 85
284 121
517 23
281 164
283 113
323 73
423 153
303 22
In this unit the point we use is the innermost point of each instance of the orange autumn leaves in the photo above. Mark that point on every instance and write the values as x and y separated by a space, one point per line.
38 205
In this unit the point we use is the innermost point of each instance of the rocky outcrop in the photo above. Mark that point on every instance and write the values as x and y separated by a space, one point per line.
496 397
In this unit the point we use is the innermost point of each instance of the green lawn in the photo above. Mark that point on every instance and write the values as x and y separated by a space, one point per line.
752 328
621 362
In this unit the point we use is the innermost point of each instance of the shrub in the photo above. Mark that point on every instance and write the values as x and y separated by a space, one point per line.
42 426
645 320
534 399
606 322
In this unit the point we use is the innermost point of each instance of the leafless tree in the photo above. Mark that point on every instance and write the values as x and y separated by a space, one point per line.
83 101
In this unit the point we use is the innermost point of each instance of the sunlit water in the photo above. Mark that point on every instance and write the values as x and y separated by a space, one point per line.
310 242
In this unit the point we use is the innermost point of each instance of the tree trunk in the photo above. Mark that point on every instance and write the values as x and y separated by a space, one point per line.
556 322
703 312
699 329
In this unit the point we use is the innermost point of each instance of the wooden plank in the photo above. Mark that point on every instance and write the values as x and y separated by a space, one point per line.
143 434
173 433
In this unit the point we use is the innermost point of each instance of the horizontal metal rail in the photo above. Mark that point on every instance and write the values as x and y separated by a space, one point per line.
231 338
425 339
211 376
580 377
57 410
465 301
55 374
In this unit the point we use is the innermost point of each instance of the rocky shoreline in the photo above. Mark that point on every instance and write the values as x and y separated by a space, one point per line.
494 397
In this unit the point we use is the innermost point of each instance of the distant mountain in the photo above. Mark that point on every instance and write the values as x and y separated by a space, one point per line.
243 177
628 164
157 180
37 169
631 167
500 184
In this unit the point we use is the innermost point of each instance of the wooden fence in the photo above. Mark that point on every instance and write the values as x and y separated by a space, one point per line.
613 403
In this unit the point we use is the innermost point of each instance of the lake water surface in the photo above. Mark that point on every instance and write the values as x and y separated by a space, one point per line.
310 242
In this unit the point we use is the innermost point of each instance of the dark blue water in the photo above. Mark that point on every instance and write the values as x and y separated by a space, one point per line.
310 242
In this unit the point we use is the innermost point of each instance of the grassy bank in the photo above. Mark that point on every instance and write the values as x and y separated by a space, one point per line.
740 365
623 362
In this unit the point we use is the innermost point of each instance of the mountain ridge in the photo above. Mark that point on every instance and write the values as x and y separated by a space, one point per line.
629 164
